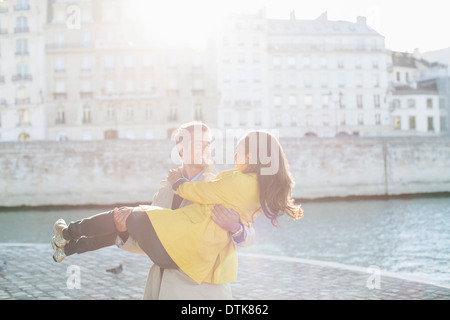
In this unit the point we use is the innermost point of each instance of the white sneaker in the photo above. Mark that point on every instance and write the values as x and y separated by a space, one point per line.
59 254
58 238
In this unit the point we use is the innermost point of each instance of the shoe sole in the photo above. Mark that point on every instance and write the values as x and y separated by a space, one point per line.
54 246
56 233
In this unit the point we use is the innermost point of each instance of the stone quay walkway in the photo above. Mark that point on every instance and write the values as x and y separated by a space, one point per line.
31 274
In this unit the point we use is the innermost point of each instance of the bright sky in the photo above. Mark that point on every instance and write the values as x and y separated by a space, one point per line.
406 24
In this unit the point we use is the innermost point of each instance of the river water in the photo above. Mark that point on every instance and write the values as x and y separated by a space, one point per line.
408 236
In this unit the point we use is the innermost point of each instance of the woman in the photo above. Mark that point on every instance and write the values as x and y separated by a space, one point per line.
188 238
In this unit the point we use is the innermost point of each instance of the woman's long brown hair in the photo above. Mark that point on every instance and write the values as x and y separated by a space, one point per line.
268 161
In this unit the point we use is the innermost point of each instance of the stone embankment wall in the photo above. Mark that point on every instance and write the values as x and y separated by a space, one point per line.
121 171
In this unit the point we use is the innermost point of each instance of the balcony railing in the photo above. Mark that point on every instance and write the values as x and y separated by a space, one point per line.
22 53
21 29
22 7
22 77
22 101
3 31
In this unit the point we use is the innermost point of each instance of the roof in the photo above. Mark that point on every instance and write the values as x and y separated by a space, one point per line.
320 26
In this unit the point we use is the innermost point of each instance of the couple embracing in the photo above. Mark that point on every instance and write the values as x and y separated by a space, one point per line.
196 219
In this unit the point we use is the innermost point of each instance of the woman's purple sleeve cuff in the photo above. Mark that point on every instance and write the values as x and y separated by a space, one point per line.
178 183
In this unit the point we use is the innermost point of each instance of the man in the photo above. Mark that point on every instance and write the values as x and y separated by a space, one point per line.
192 141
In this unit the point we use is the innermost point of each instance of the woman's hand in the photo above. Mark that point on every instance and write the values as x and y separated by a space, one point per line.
227 219
174 175
120 218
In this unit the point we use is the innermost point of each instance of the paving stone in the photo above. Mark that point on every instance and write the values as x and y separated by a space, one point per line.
35 276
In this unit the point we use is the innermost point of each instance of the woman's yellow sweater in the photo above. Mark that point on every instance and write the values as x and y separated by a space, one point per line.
202 249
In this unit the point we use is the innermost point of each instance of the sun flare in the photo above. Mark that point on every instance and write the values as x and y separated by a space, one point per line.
180 22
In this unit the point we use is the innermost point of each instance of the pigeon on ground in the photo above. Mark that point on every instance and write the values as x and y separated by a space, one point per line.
3 266
115 270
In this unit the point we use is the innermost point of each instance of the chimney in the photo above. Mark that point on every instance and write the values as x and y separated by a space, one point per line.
292 16
323 17
361 20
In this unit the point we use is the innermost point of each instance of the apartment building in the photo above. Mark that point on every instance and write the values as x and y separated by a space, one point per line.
304 77
108 79
22 82
417 104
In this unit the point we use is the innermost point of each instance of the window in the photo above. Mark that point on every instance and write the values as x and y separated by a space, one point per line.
226 76
129 112
292 101
198 112
397 103
307 62
411 103
256 76
172 61
412 123
376 81
341 80
241 76
429 103
198 61
21 25
148 61
358 62
109 62
325 100
21 46
291 62
128 61
375 63
430 123
359 101
443 123
292 80
324 80
323 62
110 86
277 80
326 119
227 119
376 100
59 40
257 118
24 119
397 123
377 118
129 85
276 61
243 118
86 114
148 112
398 76
60 116
358 81
307 80
60 64
111 113
307 100
173 113
256 57
340 62
342 121
360 118
277 101
86 63
309 120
